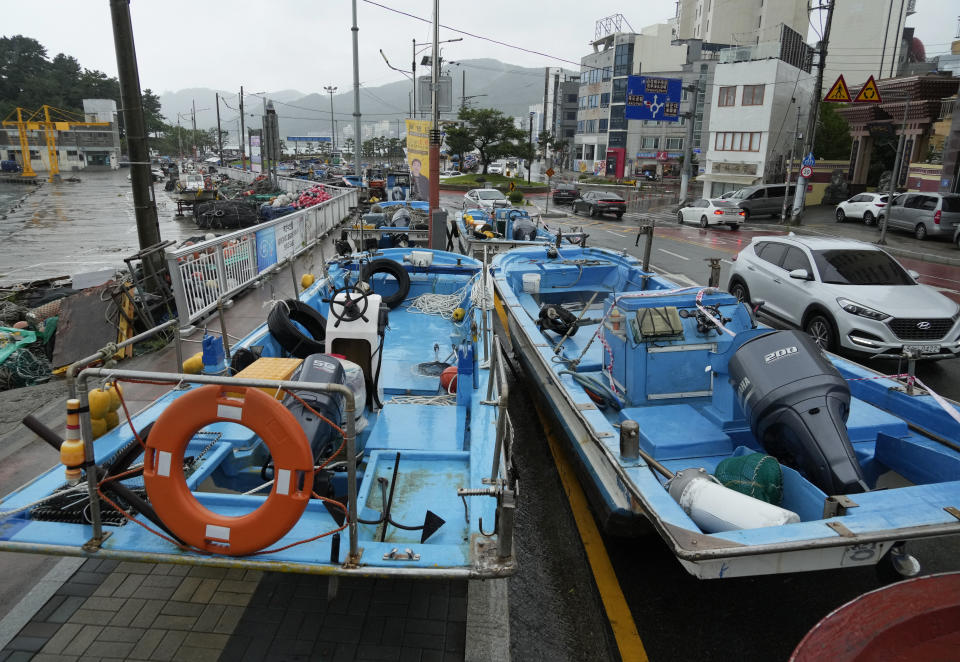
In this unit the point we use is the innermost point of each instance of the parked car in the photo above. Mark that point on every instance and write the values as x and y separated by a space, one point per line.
484 198
565 193
763 199
846 294
866 206
10 166
925 214
495 169
730 194
600 202
712 212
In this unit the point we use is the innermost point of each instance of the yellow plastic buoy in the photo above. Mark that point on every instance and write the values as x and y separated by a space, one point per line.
194 364
115 392
99 427
307 280
113 419
458 314
99 400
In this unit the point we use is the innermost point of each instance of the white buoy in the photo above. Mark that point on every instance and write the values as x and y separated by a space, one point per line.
717 508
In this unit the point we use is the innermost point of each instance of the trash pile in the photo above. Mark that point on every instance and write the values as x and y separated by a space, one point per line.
225 214
312 196
26 344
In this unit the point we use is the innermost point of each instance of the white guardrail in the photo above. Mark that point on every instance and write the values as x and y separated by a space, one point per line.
204 273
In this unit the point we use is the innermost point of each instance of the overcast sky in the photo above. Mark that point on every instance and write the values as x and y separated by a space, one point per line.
304 45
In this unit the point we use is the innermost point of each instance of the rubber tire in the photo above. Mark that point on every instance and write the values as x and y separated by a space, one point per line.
742 296
734 226
828 335
619 217
703 223
292 339
920 232
395 269
680 217
868 218
841 216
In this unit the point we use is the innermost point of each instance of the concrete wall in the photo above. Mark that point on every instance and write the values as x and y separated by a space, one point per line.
864 40
739 21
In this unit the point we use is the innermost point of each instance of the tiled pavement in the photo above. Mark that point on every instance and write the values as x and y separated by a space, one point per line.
110 610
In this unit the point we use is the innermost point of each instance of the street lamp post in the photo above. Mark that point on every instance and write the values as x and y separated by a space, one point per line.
330 89
530 144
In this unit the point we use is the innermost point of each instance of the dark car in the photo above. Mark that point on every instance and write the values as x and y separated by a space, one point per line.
565 193
599 202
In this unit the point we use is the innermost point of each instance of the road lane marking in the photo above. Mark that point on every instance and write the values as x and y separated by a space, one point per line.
664 250
614 603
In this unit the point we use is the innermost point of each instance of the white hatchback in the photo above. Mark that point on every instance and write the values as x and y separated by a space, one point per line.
846 294
866 206
712 212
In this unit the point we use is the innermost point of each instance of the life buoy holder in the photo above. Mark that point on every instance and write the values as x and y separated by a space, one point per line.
179 509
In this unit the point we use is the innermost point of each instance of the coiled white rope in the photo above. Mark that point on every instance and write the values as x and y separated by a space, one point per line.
482 293
440 304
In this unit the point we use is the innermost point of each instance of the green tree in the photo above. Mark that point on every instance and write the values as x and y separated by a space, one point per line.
348 146
151 113
833 135
23 67
492 134
459 141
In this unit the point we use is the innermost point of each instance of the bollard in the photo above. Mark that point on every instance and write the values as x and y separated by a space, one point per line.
714 280
629 440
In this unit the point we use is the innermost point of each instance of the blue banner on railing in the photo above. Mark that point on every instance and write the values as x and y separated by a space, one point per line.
266 249
653 98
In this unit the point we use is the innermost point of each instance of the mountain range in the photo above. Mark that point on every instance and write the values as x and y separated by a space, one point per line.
487 83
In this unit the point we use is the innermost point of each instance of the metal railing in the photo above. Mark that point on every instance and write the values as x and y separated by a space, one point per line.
206 273
285 184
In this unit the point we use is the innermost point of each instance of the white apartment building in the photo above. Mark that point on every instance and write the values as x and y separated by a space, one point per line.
866 40
753 118
740 21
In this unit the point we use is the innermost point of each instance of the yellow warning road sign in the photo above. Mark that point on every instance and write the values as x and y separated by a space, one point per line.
839 92
868 93
512 186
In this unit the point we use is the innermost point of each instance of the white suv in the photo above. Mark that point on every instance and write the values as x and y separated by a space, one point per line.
868 206
847 294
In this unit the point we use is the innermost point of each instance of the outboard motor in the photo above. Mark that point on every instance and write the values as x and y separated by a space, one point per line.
319 369
797 404
524 229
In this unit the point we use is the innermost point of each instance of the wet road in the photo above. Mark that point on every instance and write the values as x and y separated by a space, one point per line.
76 227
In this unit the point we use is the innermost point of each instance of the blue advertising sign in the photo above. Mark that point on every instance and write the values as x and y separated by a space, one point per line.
653 98
266 249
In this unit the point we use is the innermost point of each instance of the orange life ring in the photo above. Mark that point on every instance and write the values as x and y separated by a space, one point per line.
180 510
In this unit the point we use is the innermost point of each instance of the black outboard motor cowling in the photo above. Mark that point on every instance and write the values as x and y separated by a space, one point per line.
319 369
797 403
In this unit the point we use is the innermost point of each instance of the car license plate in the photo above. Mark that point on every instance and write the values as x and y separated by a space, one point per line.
924 349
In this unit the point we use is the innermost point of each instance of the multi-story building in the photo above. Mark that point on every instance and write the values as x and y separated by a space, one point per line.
78 147
760 94
866 39
740 21
601 144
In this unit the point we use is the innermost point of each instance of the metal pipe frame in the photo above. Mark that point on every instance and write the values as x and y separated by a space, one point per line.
111 349
93 373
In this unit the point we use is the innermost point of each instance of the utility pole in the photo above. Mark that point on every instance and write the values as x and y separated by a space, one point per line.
357 138
688 142
138 150
808 138
463 89
530 145
243 136
414 70
330 89
786 210
895 174
219 135
434 196
193 119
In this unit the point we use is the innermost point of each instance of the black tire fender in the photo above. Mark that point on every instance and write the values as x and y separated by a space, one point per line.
395 269
293 340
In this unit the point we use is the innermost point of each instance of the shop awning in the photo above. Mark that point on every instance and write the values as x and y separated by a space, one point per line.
744 180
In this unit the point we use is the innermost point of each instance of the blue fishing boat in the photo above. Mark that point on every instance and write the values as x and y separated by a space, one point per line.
501 229
747 450
369 409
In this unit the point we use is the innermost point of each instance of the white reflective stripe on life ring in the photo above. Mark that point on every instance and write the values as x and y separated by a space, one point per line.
215 532
282 481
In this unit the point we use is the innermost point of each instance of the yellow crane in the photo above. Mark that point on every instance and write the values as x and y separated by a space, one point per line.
49 120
